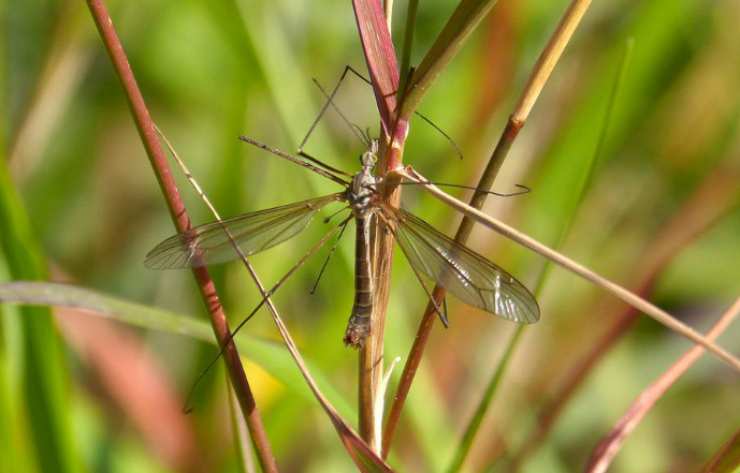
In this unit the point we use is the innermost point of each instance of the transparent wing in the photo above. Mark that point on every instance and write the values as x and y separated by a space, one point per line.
253 232
463 272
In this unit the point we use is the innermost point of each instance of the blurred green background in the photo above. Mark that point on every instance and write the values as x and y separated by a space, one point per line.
209 71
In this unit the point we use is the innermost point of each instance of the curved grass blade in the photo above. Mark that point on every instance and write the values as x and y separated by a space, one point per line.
269 355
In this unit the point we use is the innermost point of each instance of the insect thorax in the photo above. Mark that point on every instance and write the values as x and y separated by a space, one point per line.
361 192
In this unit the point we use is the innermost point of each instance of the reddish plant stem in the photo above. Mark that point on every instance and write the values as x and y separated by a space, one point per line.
604 453
427 321
383 68
537 79
727 457
158 160
380 57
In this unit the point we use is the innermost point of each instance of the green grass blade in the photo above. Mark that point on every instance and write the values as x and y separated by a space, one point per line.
654 28
269 355
44 375
466 443
464 20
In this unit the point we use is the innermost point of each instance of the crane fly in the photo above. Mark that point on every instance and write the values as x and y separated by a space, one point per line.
461 271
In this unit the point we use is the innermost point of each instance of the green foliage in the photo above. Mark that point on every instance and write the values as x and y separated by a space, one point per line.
39 389
211 71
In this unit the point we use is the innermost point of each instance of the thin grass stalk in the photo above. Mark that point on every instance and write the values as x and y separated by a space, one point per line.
438 293
709 203
239 433
463 21
513 343
610 445
408 44
361 453
372 25
549 58
615 289
158 160
542 70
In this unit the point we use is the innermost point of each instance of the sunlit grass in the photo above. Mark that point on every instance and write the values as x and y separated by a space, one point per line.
90 210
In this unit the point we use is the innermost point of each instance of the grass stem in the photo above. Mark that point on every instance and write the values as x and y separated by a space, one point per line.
625 295
158 160
541 72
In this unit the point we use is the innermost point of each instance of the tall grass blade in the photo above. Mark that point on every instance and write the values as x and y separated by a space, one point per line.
538 77
450 40
269 355
380 56
45 375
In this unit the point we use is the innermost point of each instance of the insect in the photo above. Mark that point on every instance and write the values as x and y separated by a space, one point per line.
461 271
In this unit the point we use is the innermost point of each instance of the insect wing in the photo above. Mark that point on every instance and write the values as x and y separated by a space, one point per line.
254 232
469 276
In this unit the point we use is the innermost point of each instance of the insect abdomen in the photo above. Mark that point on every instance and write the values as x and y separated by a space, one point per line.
358 327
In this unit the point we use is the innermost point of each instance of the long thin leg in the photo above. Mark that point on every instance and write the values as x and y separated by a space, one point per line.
318 162
262 302
293 159
333 248
523 189
355 129
328 219
441 313
449 139
267 294
329 101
